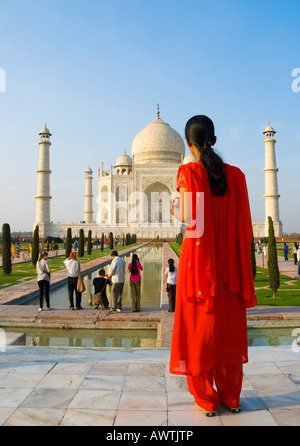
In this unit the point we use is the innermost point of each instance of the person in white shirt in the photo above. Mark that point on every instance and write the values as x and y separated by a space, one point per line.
117 276
43 278
72 265
171 276
294 251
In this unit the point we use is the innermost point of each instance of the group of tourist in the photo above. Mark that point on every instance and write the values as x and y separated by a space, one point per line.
115 279
295 250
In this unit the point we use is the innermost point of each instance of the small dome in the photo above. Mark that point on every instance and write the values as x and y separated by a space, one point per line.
89 171
269 129
189 159
124 160
45 131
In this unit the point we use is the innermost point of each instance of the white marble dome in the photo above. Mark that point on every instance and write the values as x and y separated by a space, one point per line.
158 143
124 160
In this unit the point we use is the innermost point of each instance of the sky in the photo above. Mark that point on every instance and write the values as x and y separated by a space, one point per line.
94 72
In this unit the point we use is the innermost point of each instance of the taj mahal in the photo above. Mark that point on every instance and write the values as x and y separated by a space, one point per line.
135 194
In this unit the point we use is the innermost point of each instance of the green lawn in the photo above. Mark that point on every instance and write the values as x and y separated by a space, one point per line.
26 271
288 293
176 248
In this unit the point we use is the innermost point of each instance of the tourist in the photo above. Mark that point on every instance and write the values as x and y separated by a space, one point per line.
265 250
43 272
18 250
258 245
298 259
215 285
135 269
285 252
171 276
73 269
294 250
117 276
100 283
13 251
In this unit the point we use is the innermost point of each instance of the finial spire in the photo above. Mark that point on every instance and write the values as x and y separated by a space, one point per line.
158 112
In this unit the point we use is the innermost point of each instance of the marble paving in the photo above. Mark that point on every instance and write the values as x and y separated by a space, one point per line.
133 387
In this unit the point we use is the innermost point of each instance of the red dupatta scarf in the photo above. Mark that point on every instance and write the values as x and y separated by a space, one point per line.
198 262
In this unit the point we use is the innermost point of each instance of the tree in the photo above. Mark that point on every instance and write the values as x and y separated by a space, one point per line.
102 242
35 246
253 260
81 243
68 243
89 243
6 249
274 277
111 240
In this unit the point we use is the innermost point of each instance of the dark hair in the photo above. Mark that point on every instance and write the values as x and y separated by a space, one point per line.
134 269
171 265
114 254
200 132
101 272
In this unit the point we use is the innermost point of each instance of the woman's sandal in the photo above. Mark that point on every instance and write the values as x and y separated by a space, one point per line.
206 412
234 409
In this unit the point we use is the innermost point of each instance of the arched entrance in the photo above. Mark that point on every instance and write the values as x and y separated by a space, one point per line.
159 198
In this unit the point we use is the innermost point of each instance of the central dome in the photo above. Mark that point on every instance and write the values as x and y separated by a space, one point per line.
158 143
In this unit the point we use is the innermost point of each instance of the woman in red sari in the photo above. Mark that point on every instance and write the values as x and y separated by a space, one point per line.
215 282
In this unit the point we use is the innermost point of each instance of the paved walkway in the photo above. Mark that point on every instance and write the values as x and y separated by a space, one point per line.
133 387
288 268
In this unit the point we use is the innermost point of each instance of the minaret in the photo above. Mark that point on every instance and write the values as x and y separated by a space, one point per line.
88 198
43 189
271 185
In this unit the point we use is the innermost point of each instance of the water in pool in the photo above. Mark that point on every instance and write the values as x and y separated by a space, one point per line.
150 257
263 337
46 337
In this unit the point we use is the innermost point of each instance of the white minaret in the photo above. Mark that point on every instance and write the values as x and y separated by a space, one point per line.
43 189
271 185
88 198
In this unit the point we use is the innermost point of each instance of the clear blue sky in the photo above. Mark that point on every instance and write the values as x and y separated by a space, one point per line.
95 70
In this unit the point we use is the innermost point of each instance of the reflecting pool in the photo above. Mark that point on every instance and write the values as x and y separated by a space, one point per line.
263 337
150 257
49 337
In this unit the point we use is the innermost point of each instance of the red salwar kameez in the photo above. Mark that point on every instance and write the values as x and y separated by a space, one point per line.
214 288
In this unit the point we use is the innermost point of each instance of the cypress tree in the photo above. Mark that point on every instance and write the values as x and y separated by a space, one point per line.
35 246
81 243
253 260
68 243
89 243
102 242
111 240
274 277
6 249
